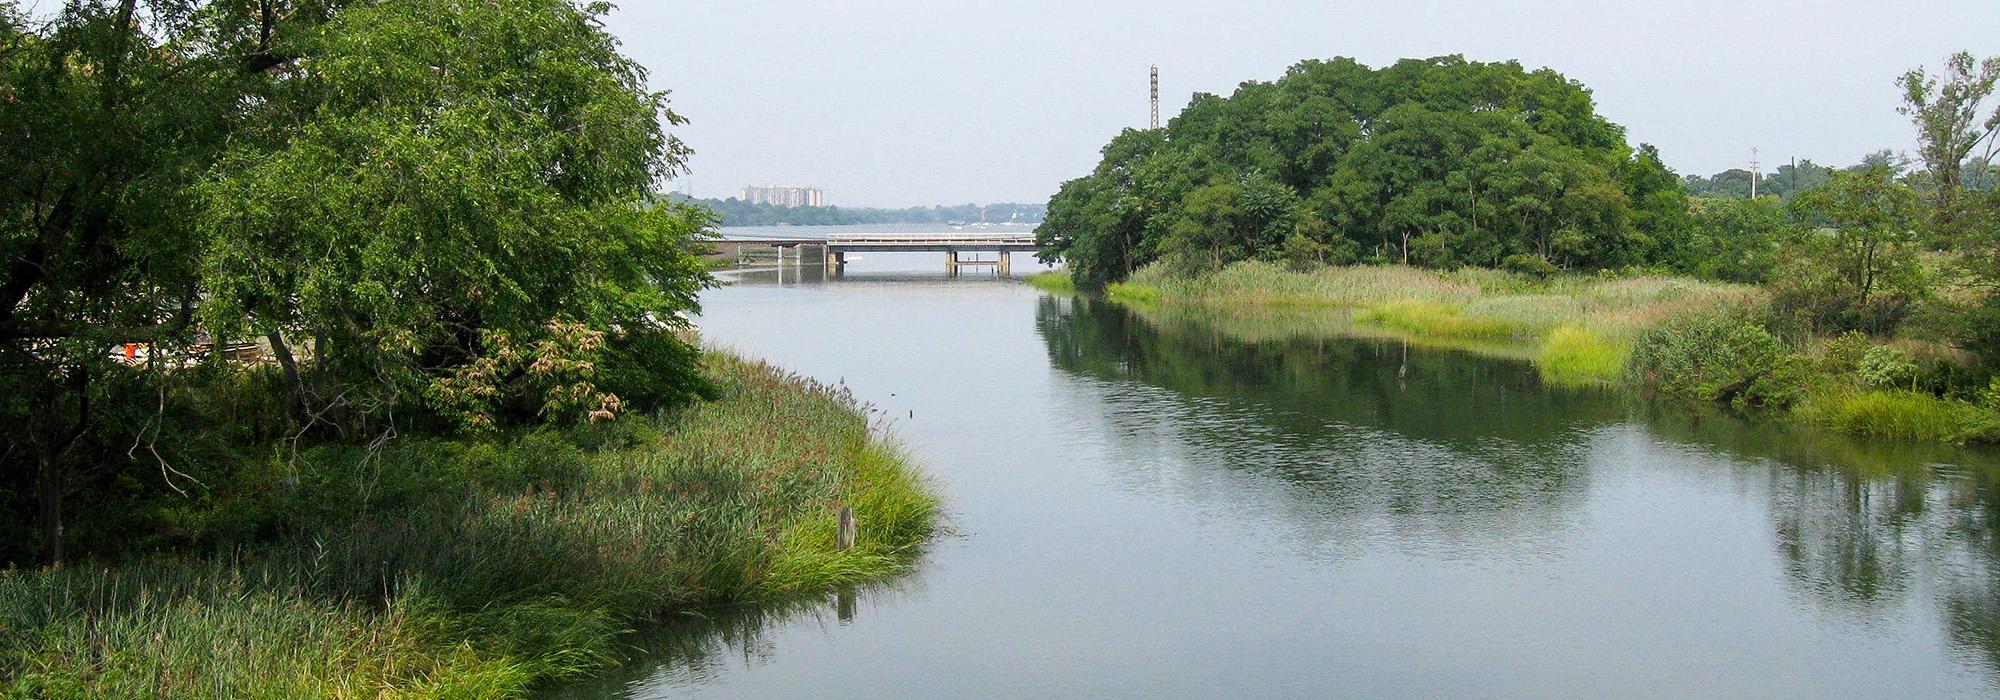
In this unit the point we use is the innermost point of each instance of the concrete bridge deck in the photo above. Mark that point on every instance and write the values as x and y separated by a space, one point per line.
834 249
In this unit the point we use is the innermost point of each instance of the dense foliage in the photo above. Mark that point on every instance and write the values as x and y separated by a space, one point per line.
1456 165
473 567
1441 162
429 213
736 212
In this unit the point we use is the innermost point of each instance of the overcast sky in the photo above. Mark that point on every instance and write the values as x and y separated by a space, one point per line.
905 102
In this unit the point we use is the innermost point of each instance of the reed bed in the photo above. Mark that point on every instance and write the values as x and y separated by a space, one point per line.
1055 281
1580 325
1900 414
478 568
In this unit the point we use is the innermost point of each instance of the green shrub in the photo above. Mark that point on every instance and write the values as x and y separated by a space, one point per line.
1719 357
1884 367
1531 265
1842 353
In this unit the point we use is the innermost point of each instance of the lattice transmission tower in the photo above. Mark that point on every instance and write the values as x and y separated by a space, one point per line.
1156 97
1756 173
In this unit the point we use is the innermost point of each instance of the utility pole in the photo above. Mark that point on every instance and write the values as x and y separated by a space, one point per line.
1755 174
1156 96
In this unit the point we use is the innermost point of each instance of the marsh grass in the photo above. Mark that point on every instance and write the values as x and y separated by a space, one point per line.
1055 281
1900 414
1579 329
1435 319
478 568
1576 355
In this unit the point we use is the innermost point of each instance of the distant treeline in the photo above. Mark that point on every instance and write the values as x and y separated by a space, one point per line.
1788 179
736 212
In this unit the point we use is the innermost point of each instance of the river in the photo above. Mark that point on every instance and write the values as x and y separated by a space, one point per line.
1248 505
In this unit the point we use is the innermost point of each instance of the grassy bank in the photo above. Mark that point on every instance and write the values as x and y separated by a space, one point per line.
1699 340
1057 281
475 568
1580 328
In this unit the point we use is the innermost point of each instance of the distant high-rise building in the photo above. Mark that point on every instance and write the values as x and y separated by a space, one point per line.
785 196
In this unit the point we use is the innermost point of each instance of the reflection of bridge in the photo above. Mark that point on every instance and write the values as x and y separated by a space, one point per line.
834 249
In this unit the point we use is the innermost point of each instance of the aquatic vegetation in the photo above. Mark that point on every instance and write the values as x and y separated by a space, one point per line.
1901 414
1697 340
1434 319
477 568
1057 281
1573 354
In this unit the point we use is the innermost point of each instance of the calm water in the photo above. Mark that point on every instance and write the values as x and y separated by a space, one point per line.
1162 506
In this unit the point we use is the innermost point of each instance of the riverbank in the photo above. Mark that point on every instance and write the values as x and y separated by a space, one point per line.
1617 330
478 568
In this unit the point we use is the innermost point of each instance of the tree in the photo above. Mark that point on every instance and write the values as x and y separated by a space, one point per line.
394 195
1853 261
1735 240
1435 162
422 210
1952 120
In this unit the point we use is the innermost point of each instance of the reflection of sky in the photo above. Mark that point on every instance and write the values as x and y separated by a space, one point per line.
1314 526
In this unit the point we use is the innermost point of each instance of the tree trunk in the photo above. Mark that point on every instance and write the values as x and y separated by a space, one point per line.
49 497
293 384
50 476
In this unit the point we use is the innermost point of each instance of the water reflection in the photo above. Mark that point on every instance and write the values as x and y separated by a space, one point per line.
1458 450
694 652
1267 504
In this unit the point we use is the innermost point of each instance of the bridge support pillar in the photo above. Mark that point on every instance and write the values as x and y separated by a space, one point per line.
1002 265
951 263
835 259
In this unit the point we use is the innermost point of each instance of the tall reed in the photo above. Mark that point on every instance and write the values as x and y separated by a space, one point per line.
467 568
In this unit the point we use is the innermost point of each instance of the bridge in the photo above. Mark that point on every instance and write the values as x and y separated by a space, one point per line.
834 249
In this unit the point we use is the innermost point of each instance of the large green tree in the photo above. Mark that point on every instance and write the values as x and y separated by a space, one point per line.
1852 263
428 210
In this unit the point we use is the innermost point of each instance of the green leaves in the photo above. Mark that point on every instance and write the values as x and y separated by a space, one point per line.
381 184
446 170
1439 162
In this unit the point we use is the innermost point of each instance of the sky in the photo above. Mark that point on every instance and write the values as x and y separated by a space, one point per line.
907 103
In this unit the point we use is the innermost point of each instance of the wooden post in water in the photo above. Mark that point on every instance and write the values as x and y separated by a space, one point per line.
845 540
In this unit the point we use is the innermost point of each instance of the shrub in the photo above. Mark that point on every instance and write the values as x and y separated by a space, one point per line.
1719 357
1532 265
1884 367
1842 353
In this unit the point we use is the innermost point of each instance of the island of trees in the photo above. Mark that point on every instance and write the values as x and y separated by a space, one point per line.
1488 201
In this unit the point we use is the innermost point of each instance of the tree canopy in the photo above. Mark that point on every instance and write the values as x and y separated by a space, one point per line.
429 211
1437 162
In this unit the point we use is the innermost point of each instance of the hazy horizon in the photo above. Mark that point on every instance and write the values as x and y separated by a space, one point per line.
901 103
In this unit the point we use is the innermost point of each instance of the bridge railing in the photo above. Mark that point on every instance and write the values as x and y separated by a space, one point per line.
934 239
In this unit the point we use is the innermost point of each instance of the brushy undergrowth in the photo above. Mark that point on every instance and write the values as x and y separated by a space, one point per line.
475 568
